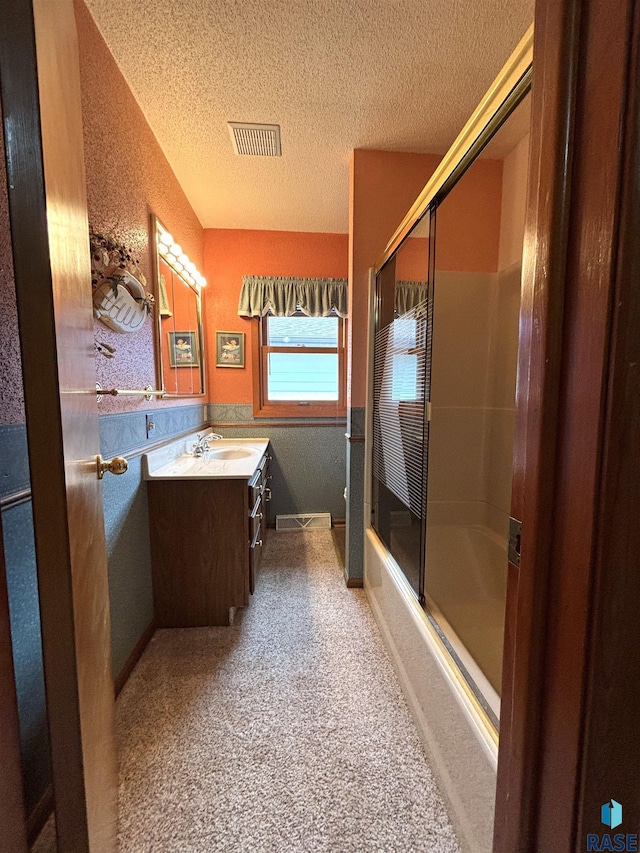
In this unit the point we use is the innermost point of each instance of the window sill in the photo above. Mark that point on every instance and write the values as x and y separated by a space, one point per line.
297 412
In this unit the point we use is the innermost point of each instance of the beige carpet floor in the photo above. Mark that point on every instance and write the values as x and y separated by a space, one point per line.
286 732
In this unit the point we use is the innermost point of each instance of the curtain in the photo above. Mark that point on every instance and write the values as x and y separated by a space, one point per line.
409 295
315 297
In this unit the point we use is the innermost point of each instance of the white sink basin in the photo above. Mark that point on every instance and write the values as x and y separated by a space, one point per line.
231 453
226 459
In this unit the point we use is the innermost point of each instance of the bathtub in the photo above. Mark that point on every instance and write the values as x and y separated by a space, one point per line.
453 724
466 588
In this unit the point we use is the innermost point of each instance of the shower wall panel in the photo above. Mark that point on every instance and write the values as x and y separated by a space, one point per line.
475 340
457 492
500 397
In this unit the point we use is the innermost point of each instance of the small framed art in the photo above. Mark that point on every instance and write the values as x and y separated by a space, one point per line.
229 349
183 349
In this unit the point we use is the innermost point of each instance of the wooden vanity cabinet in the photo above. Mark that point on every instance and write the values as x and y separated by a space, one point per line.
206 543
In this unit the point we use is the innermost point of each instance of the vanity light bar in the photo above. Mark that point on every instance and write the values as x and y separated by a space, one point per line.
176 258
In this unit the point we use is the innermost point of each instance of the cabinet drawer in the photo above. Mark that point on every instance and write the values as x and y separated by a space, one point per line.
256 541
255 556
266 478
258 484
259 494
255 521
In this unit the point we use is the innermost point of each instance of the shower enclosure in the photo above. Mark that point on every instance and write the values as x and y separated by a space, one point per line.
445 307
445 355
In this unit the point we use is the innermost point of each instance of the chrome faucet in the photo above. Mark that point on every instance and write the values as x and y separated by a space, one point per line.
202 444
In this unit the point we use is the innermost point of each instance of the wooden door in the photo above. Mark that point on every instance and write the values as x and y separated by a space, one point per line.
562 753
39 75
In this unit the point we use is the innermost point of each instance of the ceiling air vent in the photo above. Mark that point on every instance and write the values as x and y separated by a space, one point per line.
255 140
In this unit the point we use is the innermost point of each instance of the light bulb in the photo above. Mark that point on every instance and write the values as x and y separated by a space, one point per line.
176 249
178 266
163 248
184 259
166 237
192 268
202 281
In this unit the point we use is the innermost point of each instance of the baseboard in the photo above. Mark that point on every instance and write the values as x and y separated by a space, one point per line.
353 583
39 815
121 678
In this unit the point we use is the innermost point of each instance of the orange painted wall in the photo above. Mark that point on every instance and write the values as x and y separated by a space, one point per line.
231 254
468 221
383 186
412 261
128 178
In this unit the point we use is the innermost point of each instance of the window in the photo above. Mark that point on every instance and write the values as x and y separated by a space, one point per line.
299 366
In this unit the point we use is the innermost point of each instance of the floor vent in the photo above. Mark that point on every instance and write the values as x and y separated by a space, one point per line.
255 140
314 521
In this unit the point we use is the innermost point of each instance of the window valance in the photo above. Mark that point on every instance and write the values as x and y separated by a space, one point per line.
315 297
409 295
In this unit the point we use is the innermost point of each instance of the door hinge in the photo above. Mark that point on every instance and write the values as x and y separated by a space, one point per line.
515 536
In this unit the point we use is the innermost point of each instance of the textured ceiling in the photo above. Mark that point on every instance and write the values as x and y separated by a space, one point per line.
401 75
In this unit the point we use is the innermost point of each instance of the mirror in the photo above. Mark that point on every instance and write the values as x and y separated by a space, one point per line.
179 338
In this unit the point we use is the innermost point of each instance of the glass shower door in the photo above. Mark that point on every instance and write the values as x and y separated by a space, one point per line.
478 261
402 352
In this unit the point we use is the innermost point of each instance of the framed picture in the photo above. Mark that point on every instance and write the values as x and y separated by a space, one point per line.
163 301
183 349
229 349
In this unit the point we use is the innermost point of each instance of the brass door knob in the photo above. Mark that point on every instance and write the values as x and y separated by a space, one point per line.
117 465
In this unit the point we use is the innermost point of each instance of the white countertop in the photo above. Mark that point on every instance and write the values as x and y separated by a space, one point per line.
175 461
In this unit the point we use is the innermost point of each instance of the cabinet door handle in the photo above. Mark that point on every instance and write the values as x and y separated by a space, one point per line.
267 494
259 542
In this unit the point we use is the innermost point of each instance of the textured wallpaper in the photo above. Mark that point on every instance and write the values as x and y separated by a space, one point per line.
128 179
11 397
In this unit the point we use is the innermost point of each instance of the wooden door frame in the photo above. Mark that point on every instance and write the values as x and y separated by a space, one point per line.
610 750
40 84
560 754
